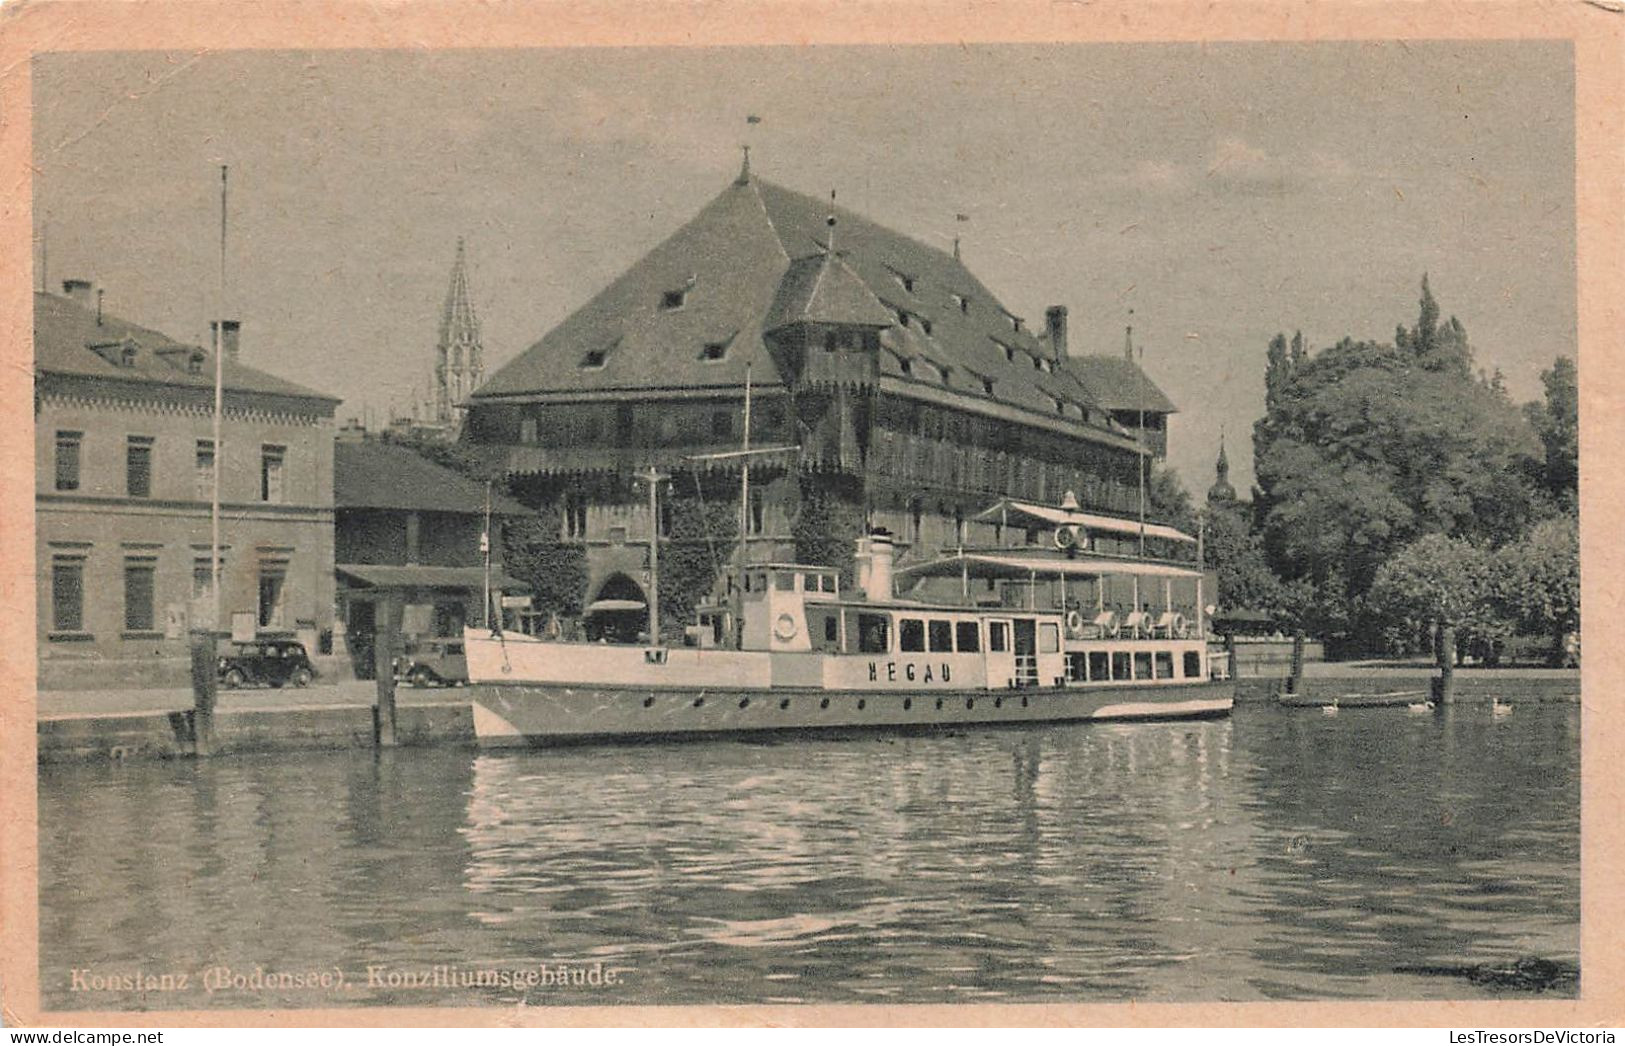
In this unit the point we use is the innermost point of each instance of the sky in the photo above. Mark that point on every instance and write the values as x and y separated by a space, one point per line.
1211 195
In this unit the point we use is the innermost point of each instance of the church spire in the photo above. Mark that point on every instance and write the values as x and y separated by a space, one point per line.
1221 491
459 354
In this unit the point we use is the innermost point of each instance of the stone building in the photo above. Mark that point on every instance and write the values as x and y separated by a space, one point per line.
906 394
124 473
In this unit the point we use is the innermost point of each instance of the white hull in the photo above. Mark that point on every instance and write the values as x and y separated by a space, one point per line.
518 714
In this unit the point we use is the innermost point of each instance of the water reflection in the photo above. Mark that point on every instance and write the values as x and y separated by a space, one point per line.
1276 854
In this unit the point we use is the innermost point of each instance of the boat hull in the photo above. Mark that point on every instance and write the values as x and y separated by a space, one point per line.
508 715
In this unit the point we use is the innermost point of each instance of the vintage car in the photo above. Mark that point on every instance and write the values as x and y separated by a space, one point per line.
271 662
433 662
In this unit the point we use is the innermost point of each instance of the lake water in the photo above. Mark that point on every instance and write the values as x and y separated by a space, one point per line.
1276 854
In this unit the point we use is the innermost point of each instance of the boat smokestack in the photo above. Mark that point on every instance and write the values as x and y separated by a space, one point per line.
873 559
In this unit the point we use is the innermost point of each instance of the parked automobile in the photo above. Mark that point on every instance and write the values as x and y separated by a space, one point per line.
433 662
271 662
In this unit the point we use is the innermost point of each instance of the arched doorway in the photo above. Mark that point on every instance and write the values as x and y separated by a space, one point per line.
619 612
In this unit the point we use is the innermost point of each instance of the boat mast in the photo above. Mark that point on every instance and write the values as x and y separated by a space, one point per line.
653 477
219 401
485 549
744 512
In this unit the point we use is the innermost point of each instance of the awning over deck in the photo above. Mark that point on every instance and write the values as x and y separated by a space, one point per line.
1027 514
1020 568
385 575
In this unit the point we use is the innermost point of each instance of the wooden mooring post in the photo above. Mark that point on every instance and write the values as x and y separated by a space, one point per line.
205 690
1444 687
386 640
1294 679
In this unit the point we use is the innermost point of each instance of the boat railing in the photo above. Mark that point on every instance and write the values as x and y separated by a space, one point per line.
1026 669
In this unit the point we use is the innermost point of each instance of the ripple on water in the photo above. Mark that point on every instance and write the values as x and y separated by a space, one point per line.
1274 855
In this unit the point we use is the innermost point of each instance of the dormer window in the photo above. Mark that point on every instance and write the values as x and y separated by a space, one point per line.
674 299
963 302
594 359
1009 352
1045 365
907 365
904 279
987 386
714 351
1060 406
194 363
902 318
925 325
126 356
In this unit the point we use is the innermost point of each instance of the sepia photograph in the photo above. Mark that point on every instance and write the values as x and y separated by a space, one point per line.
976 521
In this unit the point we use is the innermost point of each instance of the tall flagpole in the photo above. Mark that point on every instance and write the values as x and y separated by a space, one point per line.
219 399
1139 438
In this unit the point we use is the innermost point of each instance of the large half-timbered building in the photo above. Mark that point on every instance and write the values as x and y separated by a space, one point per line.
909 394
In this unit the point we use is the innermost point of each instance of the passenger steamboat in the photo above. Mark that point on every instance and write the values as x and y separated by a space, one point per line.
1007 635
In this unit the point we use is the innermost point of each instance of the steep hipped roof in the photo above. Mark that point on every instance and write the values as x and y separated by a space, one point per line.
1114 383
64 333
370 474
727 276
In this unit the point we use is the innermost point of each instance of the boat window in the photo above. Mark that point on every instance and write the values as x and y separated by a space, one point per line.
941 637
1049 637
826 583
761 582
1165 664
910 635
998 636
874 633
831 629
784 581
1120 664
1142 664
1098 668
1075 668
969 637
1193 664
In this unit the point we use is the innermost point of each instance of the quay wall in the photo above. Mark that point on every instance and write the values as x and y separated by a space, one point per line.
1559 685
94 736
170 735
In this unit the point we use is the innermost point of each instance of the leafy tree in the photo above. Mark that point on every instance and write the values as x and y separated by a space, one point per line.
1539 585
1366 447
1441 583
1234 551
1167 500
1557 422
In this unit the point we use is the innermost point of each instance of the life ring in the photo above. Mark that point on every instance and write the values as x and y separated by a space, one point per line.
1074 624
784 629
1177 626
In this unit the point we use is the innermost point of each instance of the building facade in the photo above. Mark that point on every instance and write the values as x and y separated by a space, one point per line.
408 528
124 466
902 392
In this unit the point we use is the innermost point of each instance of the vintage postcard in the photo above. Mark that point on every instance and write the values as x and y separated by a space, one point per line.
811 513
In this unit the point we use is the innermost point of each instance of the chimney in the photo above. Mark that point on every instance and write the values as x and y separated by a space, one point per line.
1055 322
81 292
873 560
230 335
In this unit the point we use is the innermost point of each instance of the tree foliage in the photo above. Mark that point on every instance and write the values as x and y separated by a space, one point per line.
1556 422
1366 447
556 571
